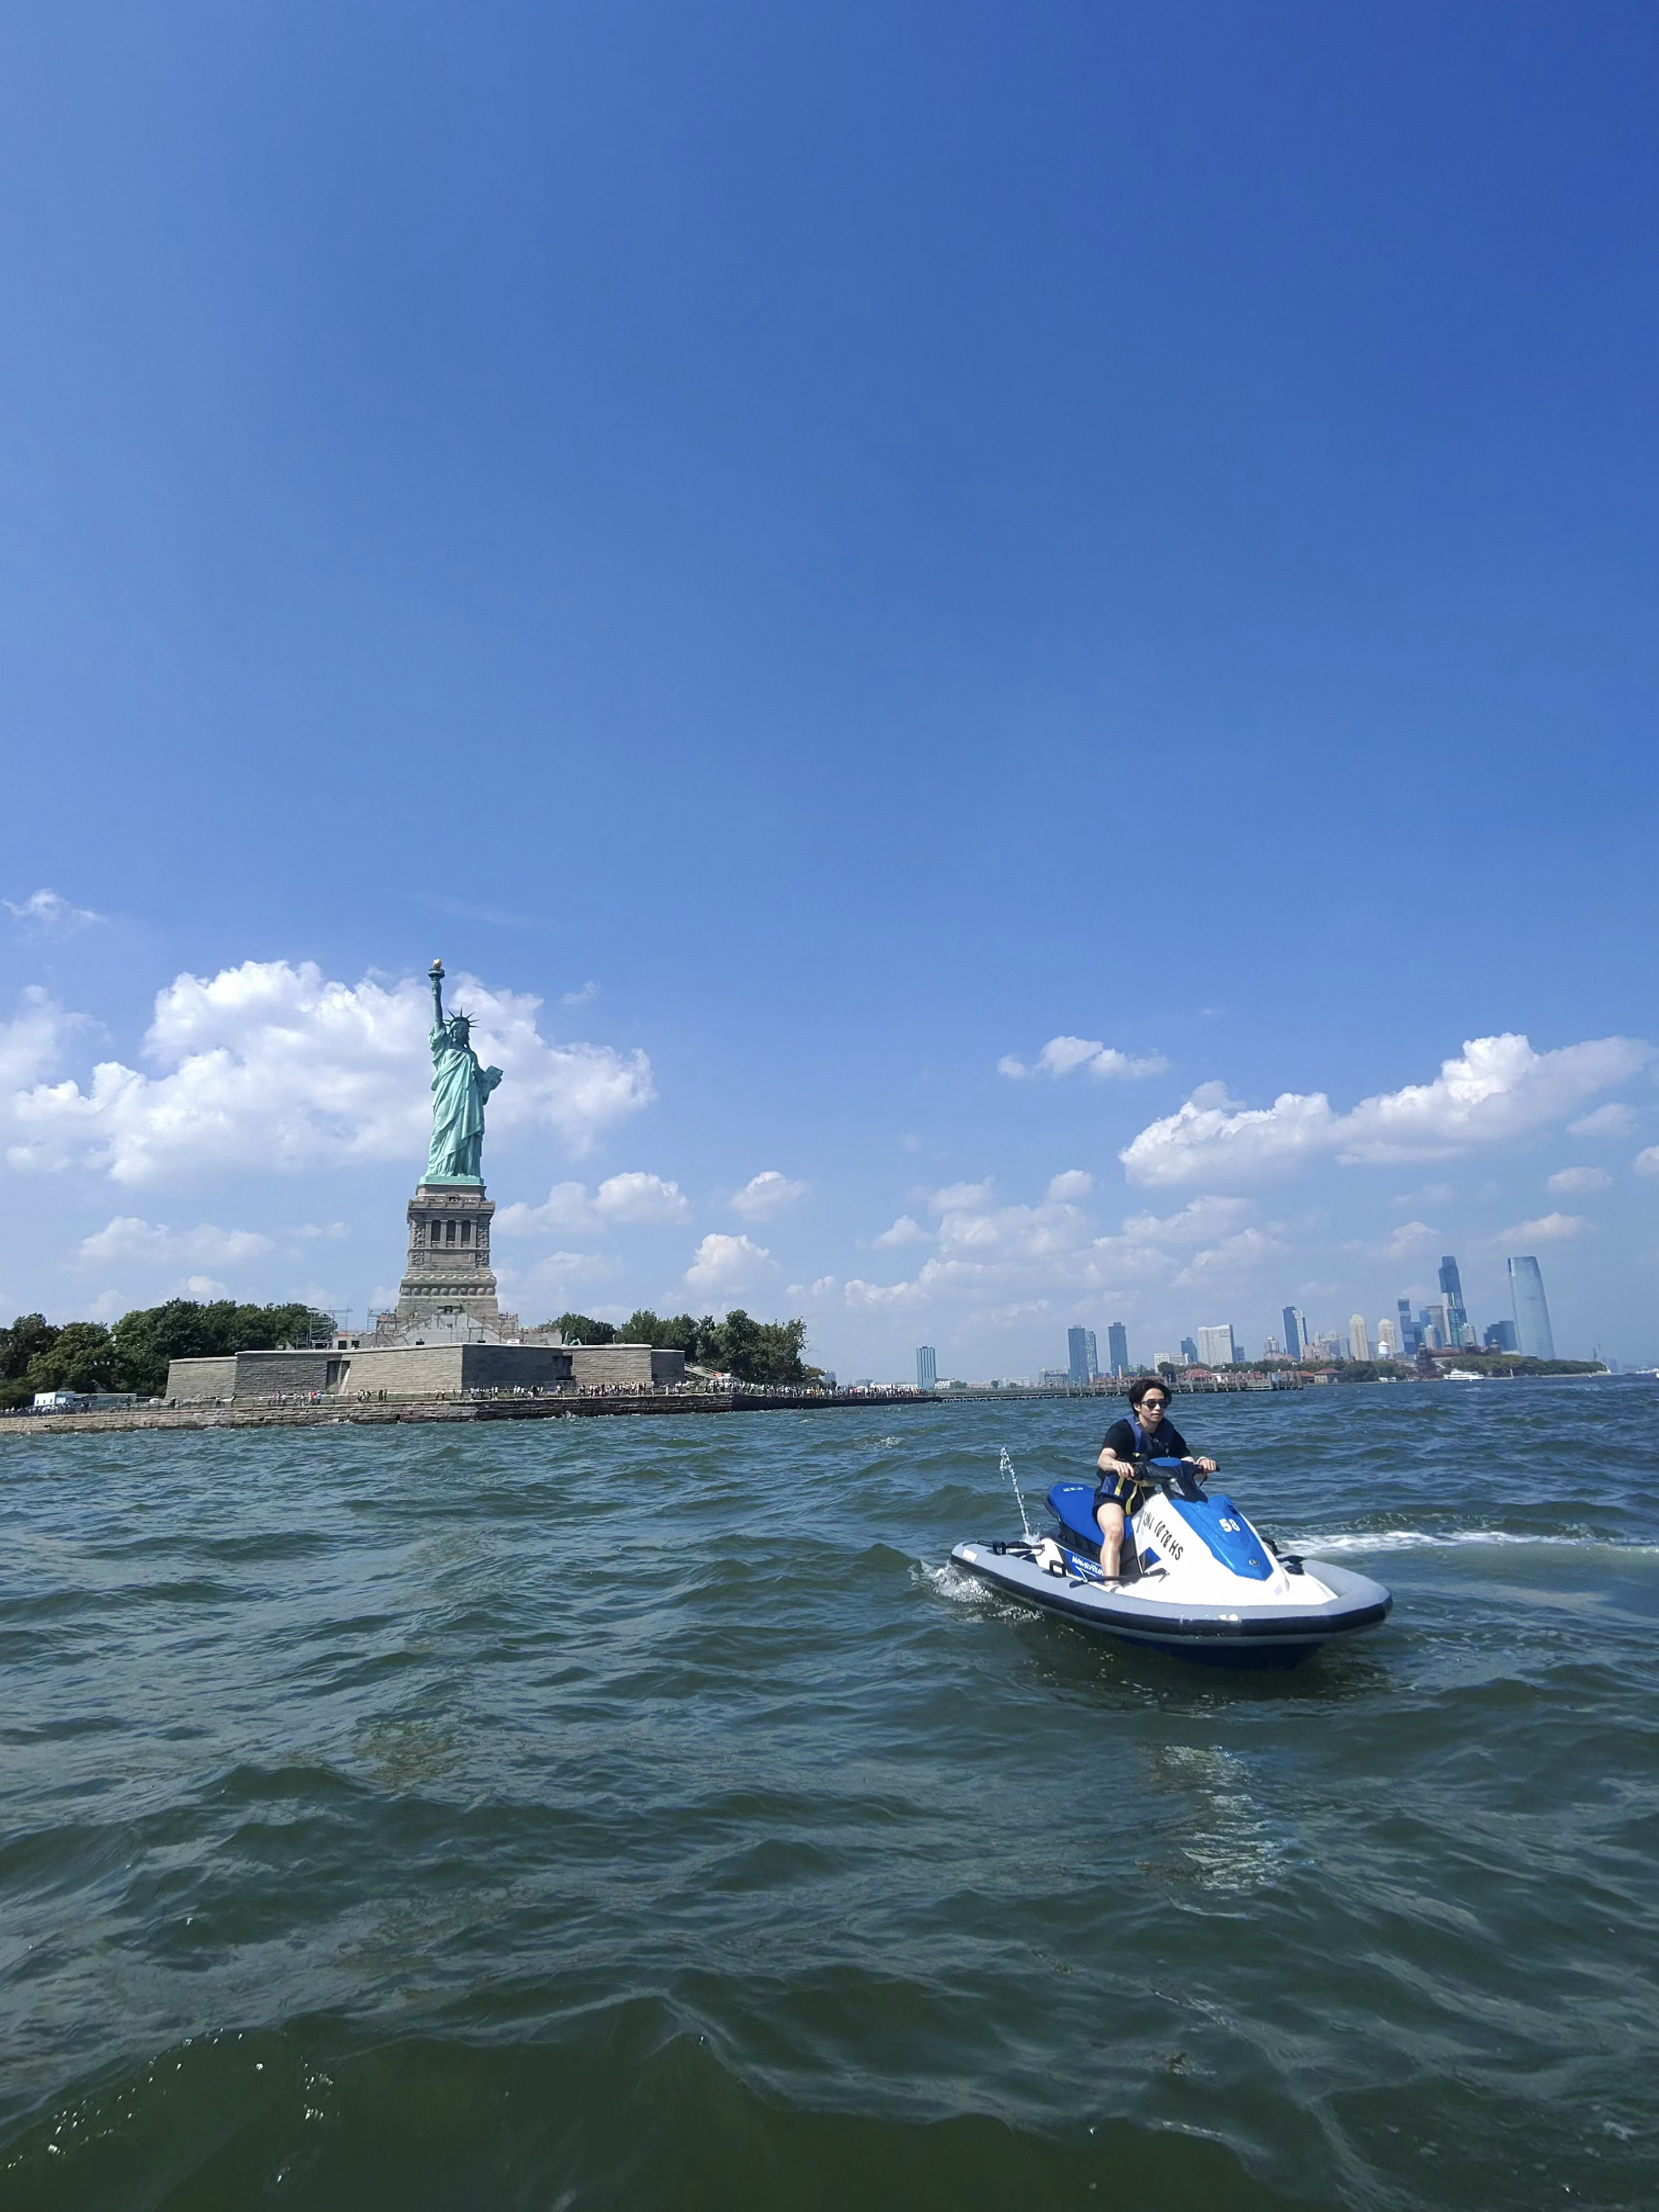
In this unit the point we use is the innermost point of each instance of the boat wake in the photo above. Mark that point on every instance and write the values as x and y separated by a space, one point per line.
956 1584
1428 1539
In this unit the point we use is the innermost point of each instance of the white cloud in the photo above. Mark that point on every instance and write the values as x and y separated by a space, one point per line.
1548 1228
34 1043
862 1295
1615 1119
1647 1162
904 1230
588 992
1431 1194
1500 1089
633 1198
1063 1055
1404 1242
1201 1219
272 1066
962 1197
985 1249
540 1291
206 1288
1233 1256
129 1239
636 1197
1074 1183
764 1194
49 910
1569 1181
723 1267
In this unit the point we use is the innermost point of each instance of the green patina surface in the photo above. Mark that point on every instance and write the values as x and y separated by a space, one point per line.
459 1088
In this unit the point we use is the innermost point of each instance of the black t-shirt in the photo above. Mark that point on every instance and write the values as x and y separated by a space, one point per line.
1164 1442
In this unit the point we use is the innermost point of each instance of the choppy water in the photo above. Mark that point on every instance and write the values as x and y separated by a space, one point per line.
641 1814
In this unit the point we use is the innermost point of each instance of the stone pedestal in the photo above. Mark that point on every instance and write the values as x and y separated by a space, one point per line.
448 1269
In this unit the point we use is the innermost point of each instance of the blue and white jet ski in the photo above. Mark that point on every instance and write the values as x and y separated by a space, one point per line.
1199 1579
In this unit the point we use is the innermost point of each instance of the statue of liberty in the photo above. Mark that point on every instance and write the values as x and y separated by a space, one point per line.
459 1087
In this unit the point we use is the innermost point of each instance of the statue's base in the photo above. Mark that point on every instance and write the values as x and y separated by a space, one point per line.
448 1270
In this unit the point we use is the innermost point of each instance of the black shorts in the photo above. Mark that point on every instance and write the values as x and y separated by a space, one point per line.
1121 1490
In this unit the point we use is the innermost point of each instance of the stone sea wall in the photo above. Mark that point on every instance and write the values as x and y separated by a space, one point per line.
333 1412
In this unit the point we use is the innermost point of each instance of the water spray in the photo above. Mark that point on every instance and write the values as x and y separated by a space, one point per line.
1019 1499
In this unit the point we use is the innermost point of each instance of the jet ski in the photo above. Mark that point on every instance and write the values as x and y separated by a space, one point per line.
1198 1579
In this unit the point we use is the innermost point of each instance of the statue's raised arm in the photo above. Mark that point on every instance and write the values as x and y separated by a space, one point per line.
459 1088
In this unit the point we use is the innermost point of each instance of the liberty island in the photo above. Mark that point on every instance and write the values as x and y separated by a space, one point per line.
446 1351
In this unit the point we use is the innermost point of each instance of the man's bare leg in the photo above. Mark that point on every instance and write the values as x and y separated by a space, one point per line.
1111 1518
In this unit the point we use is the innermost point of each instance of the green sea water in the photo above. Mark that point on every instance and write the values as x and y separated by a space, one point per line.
643 1814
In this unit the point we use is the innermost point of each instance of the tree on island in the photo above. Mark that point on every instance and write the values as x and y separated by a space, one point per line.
767 1351
84 1355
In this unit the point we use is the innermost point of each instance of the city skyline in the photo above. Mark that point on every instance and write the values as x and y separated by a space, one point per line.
1442 1324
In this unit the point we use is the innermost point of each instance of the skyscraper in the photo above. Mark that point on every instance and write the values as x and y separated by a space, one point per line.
1117 1348
1291 1319
1411 1336
1500 1336
1188 1351
1080 1363
1359 1344
1533 1334
1216 1347
926 1368
1388 1339
1451 1289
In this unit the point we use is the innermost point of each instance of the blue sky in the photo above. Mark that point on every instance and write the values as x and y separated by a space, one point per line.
810 553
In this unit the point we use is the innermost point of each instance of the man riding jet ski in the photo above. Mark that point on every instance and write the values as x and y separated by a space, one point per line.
1197 1578
1147 1434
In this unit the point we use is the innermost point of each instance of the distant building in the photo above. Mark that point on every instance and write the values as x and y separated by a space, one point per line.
1500 1337
1054 1378
1388 1339
1216 1347
1411 1337
1451 1289
1270 1348
1163 1359
1295 1342
926 1368
1082 1366
1434 1324
1533 1334
1117 1348
1359 1343
1188 1351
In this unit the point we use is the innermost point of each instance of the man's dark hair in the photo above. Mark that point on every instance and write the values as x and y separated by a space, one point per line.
1138 1390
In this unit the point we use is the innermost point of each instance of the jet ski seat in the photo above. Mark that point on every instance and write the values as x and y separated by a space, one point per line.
1072 1505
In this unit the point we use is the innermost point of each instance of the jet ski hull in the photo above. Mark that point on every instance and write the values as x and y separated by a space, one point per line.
1227 1634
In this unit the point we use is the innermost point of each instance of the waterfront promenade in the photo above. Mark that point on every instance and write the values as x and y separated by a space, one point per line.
306 1412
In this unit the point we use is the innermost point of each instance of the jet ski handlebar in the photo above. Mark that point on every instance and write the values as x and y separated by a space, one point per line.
1174 1475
